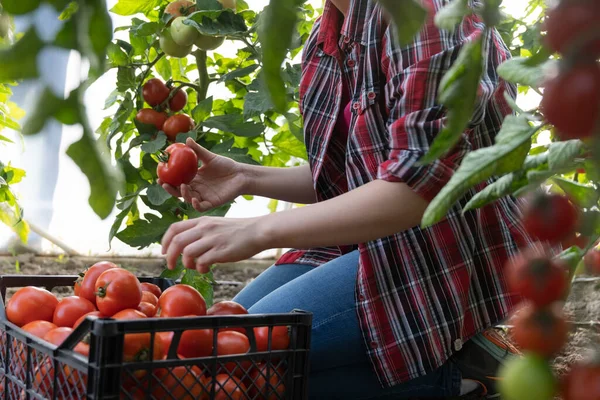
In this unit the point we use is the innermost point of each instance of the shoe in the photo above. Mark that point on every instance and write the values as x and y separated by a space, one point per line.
481 357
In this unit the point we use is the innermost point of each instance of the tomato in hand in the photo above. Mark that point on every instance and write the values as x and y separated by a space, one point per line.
178 101
177 124
229 388
155 91
70 309
571 102
541 331
181 301
90 314
88 284
31 304
181 167
537 278
257 383
148 309
592 262
570 22
149 116
528 377
280 338
550 217
152 288
116 290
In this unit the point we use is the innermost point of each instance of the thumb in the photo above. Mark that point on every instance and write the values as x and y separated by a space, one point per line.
203 155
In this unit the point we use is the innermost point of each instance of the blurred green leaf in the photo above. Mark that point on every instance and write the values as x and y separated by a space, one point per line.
452 14
408 17
20 60
131 7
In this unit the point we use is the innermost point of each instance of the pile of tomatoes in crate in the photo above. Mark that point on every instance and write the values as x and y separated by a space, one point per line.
108 291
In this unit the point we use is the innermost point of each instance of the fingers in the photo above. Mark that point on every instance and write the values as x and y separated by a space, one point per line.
175 229
204 262
201 206
173 191
203 155
179 243
186 193
194 250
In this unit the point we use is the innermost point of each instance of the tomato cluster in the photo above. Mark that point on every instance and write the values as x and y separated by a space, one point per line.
107 291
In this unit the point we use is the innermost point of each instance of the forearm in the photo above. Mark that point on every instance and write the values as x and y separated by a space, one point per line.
293 184
375 210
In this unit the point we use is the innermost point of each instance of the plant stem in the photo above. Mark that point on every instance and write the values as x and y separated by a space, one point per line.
203 79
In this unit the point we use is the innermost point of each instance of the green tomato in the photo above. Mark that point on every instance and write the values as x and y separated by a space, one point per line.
208 42
528 377
183 35
170 48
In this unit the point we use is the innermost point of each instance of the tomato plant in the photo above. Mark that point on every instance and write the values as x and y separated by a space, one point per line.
70 309
116 290
31 304
180 301
183 35
541 331
149 116
88 283
550 218
155 92
180 165
177 124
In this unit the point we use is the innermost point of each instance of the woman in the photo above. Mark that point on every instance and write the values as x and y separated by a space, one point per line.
394 305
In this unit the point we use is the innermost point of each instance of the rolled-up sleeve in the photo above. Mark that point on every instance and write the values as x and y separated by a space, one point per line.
413 75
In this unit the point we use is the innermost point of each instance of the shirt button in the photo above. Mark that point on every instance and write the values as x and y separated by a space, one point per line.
458 344
356 105
346 39
361 297
371 95
351 63
374 345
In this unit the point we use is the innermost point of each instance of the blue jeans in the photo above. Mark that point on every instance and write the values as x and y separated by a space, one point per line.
339 365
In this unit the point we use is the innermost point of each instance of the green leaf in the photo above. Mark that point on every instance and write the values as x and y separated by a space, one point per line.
120 118
512 145
145 28
257 103
203 110
584 196
143 233
222 23
156 144
130 7
288 143
239 155
104 179
19 61
408 17
116 55
571 257
458 93
100 35
234 123
173 274
183 136
452 14
201 282
13 175
238 73
157 195
49 106
518 70
145 129
126 79
278 23
561 154
20 7
11 217
70 10
120 217
207 5
163 67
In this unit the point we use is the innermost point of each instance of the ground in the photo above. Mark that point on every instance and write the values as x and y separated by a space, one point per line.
583 305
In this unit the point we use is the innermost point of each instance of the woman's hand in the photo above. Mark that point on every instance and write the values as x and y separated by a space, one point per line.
219 180
208 240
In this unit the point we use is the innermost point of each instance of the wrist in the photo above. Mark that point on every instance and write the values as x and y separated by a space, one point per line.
264 231
249 175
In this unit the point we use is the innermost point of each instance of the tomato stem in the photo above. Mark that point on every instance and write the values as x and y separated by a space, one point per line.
203 78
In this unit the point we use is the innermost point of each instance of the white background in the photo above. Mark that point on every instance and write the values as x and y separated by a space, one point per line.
73 220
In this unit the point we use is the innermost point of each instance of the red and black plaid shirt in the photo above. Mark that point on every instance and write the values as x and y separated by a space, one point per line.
420 293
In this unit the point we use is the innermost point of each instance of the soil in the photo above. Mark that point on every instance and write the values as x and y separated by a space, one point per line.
583 305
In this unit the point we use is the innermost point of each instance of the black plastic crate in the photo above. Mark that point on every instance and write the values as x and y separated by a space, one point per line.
27 363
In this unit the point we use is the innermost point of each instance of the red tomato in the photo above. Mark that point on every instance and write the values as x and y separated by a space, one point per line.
149 116
196 343
229 388
181 166
88 284
178 101
571 101
152 288
180 7
43 382
90 314
257 383
582 382
39 328
537 278
148 309
230 343
550 218
592 262
149 298
568 23
31 304
180 383
181 300
541 331
137 346
155 91
228 308
77 287
116 290
70 309
280 338
176 124
58 335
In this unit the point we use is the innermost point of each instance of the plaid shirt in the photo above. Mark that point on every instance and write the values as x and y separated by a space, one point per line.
420 293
